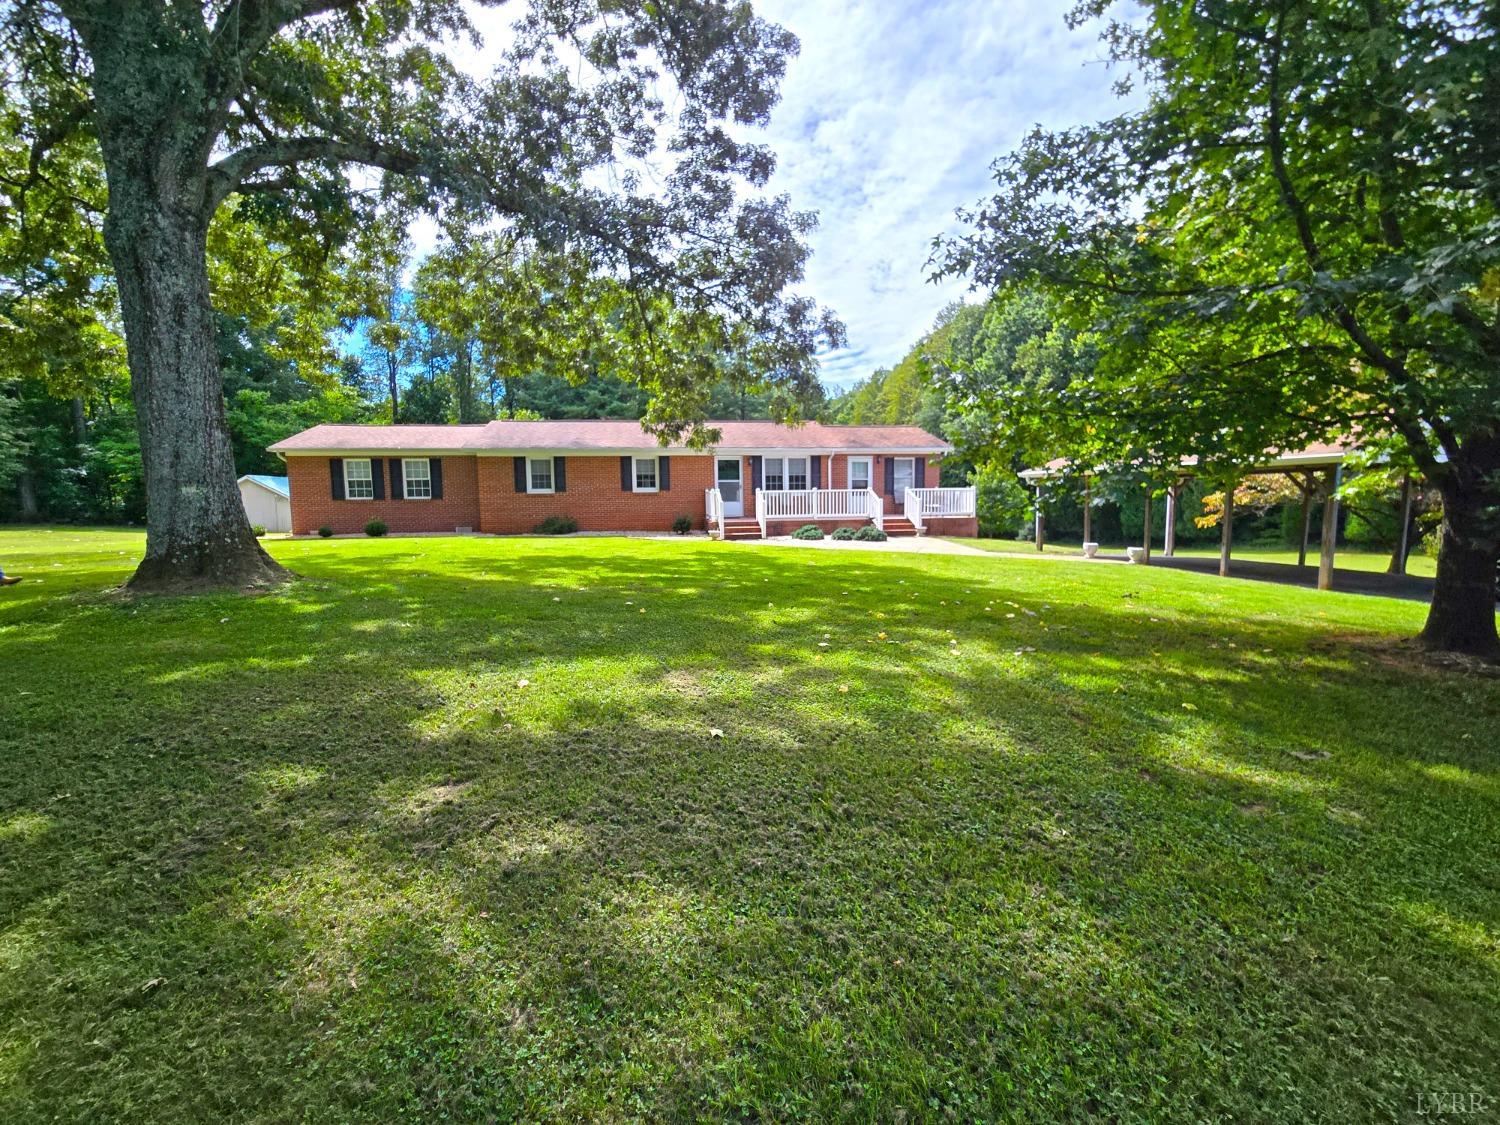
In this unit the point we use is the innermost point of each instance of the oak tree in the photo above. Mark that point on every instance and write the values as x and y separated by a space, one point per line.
606 127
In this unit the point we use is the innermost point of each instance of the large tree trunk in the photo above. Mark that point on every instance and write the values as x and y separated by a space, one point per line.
1462 618
197 534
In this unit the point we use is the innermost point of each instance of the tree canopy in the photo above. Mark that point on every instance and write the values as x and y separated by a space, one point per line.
607 137
1296 238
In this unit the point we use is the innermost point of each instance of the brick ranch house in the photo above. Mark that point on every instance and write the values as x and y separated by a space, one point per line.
506 477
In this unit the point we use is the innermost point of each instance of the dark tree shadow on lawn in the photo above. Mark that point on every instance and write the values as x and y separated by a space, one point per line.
371 875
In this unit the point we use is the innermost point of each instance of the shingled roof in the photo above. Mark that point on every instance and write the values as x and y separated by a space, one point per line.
602 436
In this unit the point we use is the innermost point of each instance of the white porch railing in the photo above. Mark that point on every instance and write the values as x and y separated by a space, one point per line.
911 506
928 503
713 506
816 503
876 508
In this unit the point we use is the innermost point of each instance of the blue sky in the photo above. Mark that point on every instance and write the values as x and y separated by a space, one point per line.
890 119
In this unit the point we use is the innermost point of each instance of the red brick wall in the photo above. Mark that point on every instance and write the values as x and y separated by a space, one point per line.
967 526
313 504
480 492
594 497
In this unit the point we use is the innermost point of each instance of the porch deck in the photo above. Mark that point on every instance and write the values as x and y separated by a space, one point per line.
838 505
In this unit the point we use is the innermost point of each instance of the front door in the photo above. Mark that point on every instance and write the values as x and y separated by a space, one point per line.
730 487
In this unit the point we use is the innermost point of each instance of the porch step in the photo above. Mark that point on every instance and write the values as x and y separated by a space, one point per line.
896 526
741 529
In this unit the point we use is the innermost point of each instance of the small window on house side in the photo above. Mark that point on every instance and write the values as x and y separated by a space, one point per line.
358 483
539 474
645 474
859 472
416 478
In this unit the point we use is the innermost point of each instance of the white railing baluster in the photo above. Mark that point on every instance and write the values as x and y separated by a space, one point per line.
911 505
946 502
713 506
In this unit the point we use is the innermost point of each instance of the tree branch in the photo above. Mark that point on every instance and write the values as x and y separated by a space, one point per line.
232 173
1298 208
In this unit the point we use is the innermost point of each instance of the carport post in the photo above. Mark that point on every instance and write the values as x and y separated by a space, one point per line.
1169 540
1398 564
1306 520
1226 531
1330 530
1040 520
1146 529
1088 513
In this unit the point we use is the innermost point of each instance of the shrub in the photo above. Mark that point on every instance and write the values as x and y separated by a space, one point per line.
870 534
325 531
556 525
843 534
257 530
376 528
682 524
808 531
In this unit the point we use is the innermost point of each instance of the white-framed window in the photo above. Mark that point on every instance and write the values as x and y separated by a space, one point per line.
645 474
906 475
859 472
358 483
416 478
539 474
780 473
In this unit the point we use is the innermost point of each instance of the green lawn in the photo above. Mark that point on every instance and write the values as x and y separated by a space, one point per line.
1139 845
1346 558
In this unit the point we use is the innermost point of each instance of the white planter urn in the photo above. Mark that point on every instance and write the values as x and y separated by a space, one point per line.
1135 554
1090 550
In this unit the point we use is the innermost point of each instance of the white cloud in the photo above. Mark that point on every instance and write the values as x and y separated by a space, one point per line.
889 121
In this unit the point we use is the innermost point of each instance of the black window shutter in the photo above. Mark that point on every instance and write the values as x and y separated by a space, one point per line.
921 472
890 476
435 470
559 474
377 477
627 475
519 464
754 473
398 485
336 476
664 474
817 472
